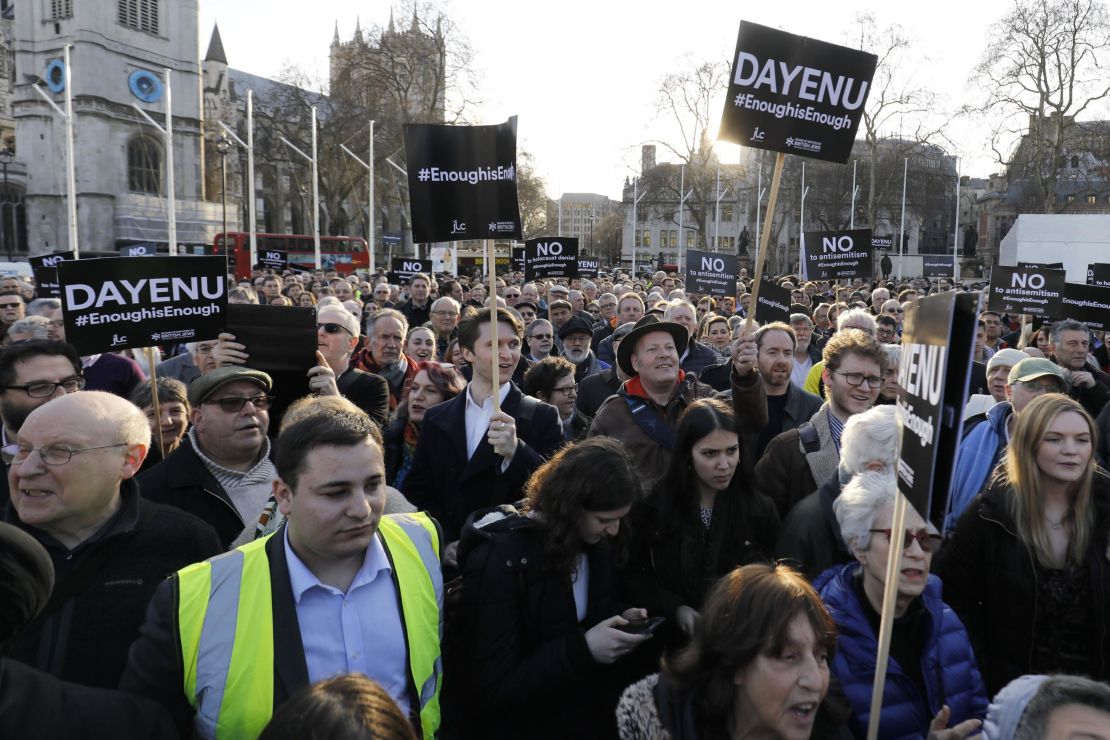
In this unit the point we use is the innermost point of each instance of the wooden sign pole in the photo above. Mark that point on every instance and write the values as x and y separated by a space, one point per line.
764 240
491 272
154 400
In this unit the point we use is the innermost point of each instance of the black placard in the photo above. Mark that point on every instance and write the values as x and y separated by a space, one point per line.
834 255
1098 274
794 94
45 269
938 339
710 273
1026 289
517 259
462 181
1087 303
117 303
882 243
937 265
550 257
138 250
403 268
588 268
275 259
773 303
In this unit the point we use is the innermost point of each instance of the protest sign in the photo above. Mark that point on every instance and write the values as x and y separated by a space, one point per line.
550 257
138 250
938 339
772 304
710 273
833 255
462 181
403 268
936 265
1026 289
794 94
45 269
1098 275
881 243
275 259
516 260
588 268
122 302
1087 303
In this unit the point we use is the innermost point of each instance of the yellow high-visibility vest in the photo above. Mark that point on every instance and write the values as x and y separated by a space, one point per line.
226 629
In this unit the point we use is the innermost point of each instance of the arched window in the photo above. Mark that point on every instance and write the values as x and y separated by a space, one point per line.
144 166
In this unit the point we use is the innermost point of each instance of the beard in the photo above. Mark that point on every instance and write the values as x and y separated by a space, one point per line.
577 356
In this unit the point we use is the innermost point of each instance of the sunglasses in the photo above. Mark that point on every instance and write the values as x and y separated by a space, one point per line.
235 404
926 539
330 328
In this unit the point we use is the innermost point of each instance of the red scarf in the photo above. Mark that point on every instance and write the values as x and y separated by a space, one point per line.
635 387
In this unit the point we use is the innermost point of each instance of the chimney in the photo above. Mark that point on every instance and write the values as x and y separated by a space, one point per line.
647 157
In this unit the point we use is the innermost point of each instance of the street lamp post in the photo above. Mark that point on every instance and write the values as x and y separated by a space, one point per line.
223 146
6 156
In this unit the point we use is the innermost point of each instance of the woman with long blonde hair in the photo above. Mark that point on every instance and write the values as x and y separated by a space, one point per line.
1027 567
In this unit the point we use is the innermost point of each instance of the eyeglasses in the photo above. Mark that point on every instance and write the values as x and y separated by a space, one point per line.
928 540
542 336
330 328
10 305
894 310
56 454
857 379
46 388
1034 387
56 323
235 404
567 392
451 314
204 349
512 295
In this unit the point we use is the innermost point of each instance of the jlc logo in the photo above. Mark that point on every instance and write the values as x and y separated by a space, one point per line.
837 244
759 135
549 249
458 228
711 264
1027 280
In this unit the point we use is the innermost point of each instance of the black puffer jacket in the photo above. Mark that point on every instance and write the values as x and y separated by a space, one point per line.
525 667
991 581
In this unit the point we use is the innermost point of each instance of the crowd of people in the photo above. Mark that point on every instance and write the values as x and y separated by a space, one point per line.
574 508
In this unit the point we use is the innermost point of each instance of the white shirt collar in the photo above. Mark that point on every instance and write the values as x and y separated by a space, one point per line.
301 579
502 392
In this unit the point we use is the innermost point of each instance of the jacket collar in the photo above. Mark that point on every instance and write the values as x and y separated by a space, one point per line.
122 522
634 387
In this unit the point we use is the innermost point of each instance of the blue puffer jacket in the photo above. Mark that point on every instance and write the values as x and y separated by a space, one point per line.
948 663
976 457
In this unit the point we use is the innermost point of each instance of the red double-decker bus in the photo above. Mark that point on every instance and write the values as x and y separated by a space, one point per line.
344 254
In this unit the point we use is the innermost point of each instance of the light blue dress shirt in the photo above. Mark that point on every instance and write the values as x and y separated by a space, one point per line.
355 632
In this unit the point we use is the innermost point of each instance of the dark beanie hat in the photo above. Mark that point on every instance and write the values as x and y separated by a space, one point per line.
26 580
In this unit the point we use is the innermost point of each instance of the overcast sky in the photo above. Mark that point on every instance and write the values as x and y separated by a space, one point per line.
582 75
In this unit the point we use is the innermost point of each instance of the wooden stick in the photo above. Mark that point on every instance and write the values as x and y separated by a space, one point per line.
154 400
886 622
764 240
491 271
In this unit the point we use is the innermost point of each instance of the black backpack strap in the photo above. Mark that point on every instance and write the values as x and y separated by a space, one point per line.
651 423
528 406
811 441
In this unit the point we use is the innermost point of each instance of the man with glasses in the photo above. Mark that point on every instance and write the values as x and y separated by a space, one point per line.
630 309
33 373
103 372
606 320
893 309
511 296
381 295
12 309
985 436
886 329
445 322
796 461
73 490
221 472
196 360
337 336
539 341
992 320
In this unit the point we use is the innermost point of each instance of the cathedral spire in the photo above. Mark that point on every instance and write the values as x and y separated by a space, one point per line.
335 38
216 48
392 29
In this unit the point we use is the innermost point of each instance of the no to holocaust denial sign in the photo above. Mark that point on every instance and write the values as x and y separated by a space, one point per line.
516 259
550 257
462 181
938 339
1087 303
275 259
937 265
122 302
403 268
45 270
1096 275
1026 289
773 303
795 95
710 272
831 255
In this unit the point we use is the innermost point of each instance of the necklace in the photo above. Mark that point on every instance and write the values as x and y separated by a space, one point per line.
1057 526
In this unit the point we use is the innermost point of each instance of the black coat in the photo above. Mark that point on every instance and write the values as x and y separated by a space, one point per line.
183 481
368 391
416 315
449 486
990 580
85 638
34 704
810 538
526 669
593 391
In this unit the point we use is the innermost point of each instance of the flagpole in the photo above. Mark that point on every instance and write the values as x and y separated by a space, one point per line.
371 226
852 213
956 229
902 225
252 229
717 210
315 194
681 214
71 163
171 184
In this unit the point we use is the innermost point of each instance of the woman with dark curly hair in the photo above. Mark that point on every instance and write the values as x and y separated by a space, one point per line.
758 667
433 383
540 624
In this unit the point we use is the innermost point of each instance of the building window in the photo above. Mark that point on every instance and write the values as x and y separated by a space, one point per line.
646 238
1075 161
1092 200
724 242
142 15
1069 199
61 9
726 212
144 166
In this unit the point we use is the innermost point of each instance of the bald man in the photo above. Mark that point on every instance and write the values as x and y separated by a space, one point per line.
73 489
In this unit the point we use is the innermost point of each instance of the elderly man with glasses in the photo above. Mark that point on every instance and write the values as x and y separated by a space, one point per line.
221 472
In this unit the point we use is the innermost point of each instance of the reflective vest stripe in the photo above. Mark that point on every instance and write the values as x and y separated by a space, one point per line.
421 601
194 585
255 618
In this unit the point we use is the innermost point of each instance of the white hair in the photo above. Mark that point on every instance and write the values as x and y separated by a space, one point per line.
342 316
669 311
859 501
870 435
856 318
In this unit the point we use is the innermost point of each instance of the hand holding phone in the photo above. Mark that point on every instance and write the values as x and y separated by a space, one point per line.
642 626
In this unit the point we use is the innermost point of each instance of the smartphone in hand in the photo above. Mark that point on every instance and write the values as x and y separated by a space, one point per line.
642 626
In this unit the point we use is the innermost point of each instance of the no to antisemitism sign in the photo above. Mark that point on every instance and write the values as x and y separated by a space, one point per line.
832 255
795 95
275 259
710 273
1026 289
123 302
